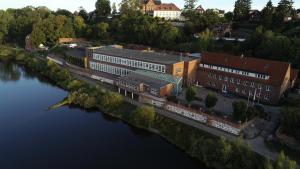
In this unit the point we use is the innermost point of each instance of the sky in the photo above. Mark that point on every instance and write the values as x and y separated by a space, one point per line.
73 5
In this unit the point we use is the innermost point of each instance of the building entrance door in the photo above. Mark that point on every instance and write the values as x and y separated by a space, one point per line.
224 89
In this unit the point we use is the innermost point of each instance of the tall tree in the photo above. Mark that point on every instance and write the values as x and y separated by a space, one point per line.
241 10
284 9
83 13
190 4
103 10
267 14
5 20
129 5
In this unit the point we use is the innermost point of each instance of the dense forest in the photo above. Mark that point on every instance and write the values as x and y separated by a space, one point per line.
271 37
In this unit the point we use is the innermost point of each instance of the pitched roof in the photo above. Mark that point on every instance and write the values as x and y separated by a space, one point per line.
167 7
275 69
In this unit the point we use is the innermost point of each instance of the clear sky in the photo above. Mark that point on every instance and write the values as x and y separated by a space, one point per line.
73 5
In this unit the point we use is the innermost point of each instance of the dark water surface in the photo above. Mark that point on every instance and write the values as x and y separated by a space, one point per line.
31 137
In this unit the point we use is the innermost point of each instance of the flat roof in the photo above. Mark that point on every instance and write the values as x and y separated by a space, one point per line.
138 78
76 52
154 57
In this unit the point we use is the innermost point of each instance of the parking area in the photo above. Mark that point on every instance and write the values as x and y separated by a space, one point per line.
224 103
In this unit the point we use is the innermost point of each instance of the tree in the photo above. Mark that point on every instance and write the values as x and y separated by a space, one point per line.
241 10
267 15
103 10
283 162
284 9
5 21
190 94
79 26
83 13
127 6
189 4
101 30
64 12
291 121
114 9
239 111
144 116
205 40
111 100
229 16
210 100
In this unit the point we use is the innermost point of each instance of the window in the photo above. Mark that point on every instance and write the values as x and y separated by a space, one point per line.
259 86
232 80
238 81
237 90
245 83
252 84
220 77
226 78
268 88
244 91
267 97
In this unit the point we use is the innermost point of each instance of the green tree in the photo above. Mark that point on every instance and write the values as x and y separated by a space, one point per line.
205 40
241 10
5 21
291 121
37 37
101 30
79 26
111 100
239 111
190 4
210 100
144 116
83 13
284 9
283 162
190 94
127 6
103 10
267 15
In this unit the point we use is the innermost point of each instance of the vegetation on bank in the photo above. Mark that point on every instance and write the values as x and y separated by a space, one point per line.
213 152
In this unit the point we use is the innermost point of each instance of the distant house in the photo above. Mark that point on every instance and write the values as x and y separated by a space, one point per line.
219 12
167 11
200 9
298 14
254 15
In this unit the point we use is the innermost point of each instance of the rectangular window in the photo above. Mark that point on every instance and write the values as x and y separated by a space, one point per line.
268 88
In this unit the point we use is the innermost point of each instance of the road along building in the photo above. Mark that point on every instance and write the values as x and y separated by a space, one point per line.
258 80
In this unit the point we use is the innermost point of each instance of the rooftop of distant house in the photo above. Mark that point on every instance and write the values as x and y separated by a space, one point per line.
275 69
150 56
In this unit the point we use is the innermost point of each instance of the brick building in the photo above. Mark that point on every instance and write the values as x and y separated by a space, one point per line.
256 79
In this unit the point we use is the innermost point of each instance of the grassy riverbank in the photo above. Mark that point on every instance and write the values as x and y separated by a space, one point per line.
212 151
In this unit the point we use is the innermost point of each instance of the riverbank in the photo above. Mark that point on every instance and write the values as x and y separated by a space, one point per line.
210 150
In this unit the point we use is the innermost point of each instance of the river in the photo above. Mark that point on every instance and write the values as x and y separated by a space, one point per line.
32 137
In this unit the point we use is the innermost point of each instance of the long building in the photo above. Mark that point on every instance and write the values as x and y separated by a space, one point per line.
120 62
256 79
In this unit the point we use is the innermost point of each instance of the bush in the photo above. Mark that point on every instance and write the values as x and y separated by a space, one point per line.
144 116
210 101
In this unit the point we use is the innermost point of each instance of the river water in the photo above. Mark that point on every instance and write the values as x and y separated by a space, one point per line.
32 137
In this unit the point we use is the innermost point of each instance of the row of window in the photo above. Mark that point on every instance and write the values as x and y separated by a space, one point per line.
244 92
131 63
109 69
235 71
238 81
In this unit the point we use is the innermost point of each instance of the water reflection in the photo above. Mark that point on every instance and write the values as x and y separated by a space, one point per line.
9 72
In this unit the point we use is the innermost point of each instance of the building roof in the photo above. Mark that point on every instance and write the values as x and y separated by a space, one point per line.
138 78
167 7
79 53
154 57
275 69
